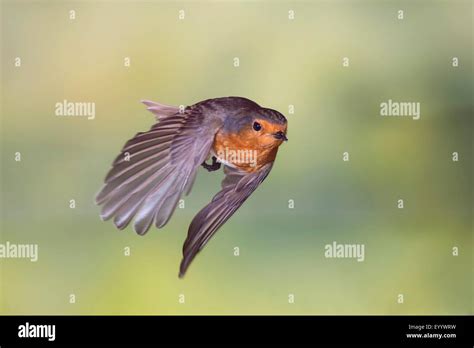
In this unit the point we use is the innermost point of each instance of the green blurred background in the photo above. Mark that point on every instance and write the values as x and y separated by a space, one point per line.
282 62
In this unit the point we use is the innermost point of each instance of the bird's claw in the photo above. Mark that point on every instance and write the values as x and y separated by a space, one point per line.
212 167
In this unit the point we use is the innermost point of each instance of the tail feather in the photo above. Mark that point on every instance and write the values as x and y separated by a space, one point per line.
161 111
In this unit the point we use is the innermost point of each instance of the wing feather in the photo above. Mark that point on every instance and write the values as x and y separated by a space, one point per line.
237 186
155 168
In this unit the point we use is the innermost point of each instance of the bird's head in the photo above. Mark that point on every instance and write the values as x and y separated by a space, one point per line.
264 127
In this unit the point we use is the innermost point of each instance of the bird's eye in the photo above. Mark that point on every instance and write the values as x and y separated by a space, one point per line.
257 126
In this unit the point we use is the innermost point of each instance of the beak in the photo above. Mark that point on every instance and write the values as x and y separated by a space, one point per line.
280 136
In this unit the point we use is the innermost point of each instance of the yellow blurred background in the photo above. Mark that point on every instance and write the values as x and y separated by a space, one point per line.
283 62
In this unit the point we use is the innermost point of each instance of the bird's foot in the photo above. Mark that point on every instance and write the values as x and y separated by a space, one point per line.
212 167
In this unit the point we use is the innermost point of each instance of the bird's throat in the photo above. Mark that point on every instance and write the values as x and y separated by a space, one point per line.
245 153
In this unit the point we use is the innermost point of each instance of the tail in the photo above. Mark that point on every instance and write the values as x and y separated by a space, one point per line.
161 111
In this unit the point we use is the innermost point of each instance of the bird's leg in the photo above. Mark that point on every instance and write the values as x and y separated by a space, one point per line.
212 167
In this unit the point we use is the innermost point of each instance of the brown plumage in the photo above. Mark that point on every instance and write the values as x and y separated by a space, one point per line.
156 168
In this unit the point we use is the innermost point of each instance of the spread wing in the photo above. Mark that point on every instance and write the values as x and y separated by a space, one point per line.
237 186
155 168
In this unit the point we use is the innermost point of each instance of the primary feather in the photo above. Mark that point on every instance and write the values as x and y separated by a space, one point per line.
155 168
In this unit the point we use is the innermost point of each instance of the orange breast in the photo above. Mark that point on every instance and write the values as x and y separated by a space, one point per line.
243 150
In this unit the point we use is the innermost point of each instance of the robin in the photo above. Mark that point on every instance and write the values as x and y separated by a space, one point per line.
156 168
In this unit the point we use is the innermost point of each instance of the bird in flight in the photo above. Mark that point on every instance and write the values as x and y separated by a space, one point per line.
156 168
